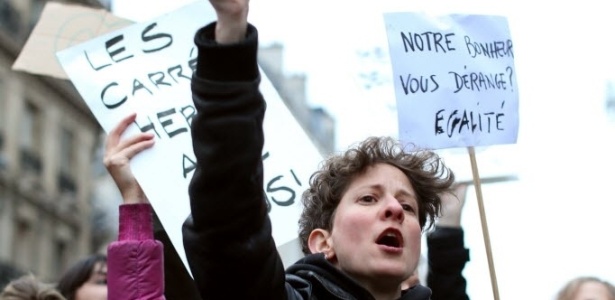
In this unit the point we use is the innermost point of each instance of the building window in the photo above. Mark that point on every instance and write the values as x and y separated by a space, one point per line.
66 181
10 18
36 9
3 107
3 201
60 254
23 244
30 138
67 152
66 177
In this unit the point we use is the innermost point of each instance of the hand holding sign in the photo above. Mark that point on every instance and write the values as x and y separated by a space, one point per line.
452 206
118 154
232 20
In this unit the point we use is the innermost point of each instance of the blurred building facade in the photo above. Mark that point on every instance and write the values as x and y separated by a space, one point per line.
48 139
317 122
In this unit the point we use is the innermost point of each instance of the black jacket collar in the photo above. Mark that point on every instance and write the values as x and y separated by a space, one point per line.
315 278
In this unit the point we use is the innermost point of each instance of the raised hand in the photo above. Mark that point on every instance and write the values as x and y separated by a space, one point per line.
119 152
232 20
452 205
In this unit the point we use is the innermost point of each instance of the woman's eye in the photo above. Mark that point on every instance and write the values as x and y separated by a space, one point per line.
407 207
368 199
101 282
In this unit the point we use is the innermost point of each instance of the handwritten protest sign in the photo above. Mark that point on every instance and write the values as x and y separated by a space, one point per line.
454 79
146 68
62 26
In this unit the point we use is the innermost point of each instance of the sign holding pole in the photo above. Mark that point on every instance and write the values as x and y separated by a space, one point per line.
483 222
455 86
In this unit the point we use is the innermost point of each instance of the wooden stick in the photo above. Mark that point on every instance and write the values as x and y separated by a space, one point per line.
483 220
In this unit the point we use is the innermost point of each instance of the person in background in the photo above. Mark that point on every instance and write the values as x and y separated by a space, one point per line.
133 267
85 279
364 211
587 288
8 273
28 287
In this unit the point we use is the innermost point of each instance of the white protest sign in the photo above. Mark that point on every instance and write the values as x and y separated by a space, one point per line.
146 68
454 79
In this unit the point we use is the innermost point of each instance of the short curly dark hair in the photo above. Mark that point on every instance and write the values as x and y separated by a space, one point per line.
425 170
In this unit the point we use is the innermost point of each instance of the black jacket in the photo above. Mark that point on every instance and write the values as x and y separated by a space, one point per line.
447 256
227 239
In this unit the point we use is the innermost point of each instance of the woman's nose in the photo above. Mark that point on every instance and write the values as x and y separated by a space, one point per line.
393 210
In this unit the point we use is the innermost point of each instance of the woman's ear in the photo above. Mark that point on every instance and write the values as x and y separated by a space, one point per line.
319 241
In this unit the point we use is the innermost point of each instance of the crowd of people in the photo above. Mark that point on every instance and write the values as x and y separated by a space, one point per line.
365 210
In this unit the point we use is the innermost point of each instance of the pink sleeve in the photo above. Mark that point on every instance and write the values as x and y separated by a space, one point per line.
135 266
